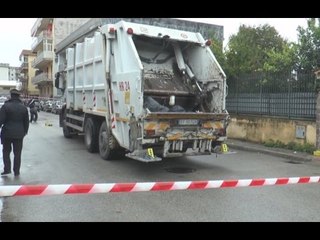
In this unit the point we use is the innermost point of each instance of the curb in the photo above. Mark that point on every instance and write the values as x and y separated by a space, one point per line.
303 157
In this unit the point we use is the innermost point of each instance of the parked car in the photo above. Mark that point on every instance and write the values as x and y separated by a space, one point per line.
48 106
56 107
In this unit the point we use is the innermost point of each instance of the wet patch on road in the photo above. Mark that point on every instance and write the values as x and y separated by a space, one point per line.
294 162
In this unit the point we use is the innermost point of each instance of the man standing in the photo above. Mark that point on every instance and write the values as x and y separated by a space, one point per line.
33 110
14 120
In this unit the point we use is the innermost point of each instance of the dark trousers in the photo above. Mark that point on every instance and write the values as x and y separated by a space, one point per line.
6 150
33 115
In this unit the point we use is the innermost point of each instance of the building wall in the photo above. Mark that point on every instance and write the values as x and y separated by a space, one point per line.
261 129
13 74
64 26
6 83
32 90
4 72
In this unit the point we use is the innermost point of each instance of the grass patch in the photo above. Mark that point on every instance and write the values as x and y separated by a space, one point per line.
307 147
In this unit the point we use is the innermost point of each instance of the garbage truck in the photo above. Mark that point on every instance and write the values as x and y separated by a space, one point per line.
145 92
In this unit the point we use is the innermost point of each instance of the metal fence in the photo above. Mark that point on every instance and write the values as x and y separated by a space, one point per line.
282 95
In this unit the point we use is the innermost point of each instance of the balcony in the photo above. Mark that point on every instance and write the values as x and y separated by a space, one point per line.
44 37
43 59
24 66
41 78
23 79
40 25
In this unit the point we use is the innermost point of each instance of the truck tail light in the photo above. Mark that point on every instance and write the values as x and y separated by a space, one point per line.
222 132
112 30
150 132
130 31
208 42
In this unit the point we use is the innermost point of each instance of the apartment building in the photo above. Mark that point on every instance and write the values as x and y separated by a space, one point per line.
47 33
27 72
8 78
14 73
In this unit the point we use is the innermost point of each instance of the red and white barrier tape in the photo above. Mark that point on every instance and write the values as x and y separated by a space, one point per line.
58 189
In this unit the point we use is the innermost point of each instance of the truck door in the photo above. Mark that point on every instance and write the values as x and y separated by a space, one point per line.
125 83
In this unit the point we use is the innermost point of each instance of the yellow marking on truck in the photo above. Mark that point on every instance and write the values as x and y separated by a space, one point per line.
120 119
127 97
150 126
212 125
164 125
175 137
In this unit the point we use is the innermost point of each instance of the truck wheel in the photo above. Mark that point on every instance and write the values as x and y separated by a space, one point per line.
66 131
91 135
104 141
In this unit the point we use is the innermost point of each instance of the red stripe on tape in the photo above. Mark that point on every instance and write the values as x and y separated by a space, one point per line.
257 182
229 183
282 181
79 188
122 187
304 180
30 190
162 186
198 185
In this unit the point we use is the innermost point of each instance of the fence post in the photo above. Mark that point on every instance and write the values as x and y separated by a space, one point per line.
318 120
317 88
289 96
260 107
237 95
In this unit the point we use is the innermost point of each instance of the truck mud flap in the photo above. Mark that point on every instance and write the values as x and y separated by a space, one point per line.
144 155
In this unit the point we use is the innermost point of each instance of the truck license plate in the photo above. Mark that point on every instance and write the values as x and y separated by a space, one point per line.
188 122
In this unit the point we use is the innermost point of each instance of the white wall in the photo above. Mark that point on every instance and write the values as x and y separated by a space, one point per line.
4 73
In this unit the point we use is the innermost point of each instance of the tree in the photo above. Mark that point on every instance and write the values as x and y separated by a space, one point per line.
217 49
255 49
308 47
282 61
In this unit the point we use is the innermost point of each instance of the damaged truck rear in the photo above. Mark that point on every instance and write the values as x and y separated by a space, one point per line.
145 91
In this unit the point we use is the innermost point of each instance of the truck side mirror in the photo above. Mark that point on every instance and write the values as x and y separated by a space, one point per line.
56 81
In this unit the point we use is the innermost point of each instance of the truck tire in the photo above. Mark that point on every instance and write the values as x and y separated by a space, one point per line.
66 130
105 141
91 135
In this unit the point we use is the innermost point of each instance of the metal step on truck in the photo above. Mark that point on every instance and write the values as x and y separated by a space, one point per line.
144 91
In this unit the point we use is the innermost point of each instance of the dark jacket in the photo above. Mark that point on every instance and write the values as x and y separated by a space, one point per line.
32 103
14 119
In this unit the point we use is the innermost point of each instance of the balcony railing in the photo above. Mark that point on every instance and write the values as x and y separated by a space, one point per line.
24 65
40 25
44 35
42 77
43 59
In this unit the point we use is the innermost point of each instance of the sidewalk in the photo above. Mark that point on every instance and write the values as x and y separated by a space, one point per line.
279 152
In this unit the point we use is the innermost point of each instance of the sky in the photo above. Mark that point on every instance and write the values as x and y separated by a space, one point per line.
15 33
286 27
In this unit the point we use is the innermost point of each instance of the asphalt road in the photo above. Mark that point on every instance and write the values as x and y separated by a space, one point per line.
49 158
